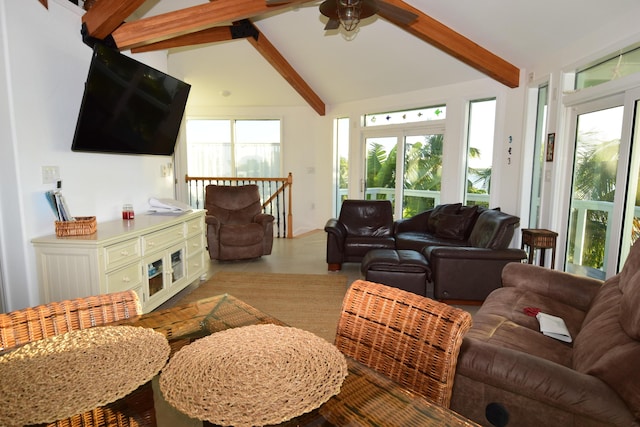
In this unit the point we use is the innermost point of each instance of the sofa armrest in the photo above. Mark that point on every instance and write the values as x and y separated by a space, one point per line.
518 374
336 235
467 252
263 219
336 229
576 291
468 273
212 221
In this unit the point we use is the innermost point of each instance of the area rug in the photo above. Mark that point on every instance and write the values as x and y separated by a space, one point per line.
306 301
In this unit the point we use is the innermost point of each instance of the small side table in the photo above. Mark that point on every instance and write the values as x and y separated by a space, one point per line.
539 238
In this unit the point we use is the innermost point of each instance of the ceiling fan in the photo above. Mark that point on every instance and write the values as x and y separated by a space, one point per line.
348 13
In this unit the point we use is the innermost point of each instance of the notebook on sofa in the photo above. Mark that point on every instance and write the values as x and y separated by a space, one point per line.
553 326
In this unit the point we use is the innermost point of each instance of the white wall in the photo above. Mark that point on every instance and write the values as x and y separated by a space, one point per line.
44 67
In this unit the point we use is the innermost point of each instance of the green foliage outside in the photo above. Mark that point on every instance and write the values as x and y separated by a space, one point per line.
594 179
423 171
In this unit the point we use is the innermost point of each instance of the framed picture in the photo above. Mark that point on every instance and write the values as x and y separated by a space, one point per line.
551 142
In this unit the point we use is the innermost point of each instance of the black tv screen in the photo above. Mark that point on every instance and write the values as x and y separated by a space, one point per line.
128 107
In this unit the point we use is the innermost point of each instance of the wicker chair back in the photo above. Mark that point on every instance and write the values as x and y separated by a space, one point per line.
413 340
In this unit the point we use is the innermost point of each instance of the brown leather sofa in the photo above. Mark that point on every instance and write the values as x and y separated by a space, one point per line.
461 249
508 373
466 248
236 226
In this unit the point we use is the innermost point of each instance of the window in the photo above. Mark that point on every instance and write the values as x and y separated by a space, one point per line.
406 116
482 115
341 161
233 148
609 68
404 160
538 156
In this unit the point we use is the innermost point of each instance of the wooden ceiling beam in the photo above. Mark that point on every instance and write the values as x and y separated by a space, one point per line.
107 15
196 18
277 61
210 35
455 44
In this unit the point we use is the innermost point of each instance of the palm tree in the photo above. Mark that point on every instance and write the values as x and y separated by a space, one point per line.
381 167
423 171
594 179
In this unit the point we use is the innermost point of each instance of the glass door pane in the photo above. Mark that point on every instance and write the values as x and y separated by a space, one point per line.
538 156
482 118
631 226
594 184
155 275
177 265
422 173
380 181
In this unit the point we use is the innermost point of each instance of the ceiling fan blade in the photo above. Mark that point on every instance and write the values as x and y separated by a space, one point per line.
395 14
276 2
332 24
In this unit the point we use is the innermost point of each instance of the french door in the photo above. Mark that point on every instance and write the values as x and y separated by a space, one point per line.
604 213
415 156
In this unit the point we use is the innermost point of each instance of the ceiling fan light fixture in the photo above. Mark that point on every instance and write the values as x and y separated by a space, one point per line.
349 13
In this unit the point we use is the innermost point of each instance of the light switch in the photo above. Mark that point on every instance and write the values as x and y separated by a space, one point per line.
50 174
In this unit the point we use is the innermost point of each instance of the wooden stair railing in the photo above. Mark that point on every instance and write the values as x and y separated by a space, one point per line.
275 193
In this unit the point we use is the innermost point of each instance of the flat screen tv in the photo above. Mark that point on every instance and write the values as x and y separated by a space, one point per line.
128 107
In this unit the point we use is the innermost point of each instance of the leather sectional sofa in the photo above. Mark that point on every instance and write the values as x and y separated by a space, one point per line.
462 248
509 373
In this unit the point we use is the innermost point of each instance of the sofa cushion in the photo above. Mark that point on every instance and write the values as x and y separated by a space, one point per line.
367 218
630 289
456 226
241 234
417 241
501 321
434 218
603 349
629 308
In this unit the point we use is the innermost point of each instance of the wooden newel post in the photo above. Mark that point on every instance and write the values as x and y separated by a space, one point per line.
290 216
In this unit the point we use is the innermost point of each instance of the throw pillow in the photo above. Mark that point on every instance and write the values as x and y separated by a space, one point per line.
454 226
432 222
472 213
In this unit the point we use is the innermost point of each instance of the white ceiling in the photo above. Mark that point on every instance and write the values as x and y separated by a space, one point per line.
383 59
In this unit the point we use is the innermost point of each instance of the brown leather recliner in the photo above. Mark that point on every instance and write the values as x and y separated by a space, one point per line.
509 370
361 226
236 226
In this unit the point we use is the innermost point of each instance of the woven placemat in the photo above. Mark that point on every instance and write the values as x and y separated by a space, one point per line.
253 375
75 372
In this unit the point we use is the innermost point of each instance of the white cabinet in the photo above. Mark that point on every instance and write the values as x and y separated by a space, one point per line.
156 255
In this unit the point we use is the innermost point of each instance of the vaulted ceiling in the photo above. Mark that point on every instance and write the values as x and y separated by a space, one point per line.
286 58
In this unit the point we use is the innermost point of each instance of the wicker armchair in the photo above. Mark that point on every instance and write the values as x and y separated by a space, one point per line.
34 323
411 339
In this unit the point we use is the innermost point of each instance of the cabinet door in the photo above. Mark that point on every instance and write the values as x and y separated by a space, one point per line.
155 275
178 271
163 271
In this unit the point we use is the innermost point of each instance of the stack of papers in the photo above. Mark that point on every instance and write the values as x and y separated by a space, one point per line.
58 205
167 206
553 327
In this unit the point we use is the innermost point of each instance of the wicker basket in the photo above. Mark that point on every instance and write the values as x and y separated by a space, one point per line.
82 226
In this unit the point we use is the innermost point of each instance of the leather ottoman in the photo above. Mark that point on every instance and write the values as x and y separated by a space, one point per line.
401 268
